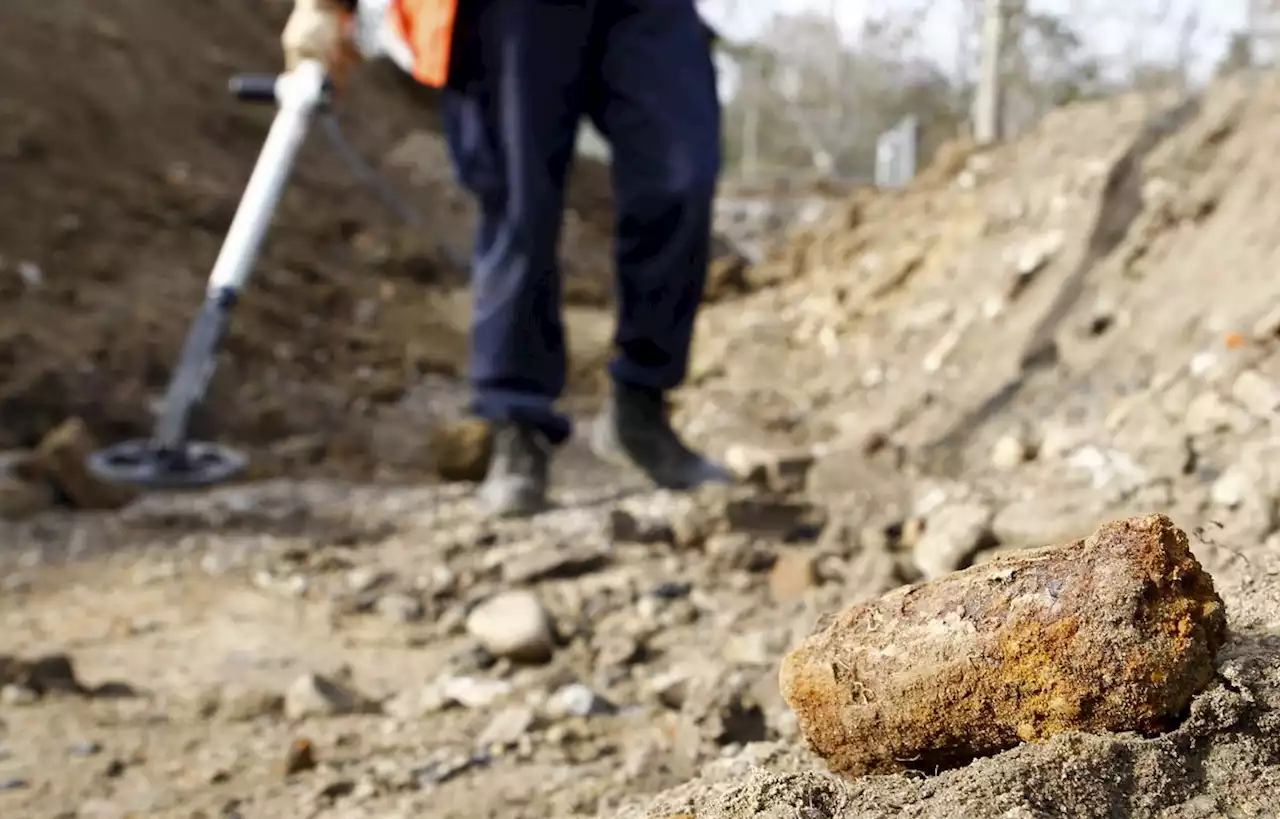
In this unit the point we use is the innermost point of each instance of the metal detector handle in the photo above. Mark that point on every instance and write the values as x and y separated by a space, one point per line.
253 87
262 88
298 93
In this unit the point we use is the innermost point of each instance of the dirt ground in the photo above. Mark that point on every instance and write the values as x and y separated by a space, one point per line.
1072 328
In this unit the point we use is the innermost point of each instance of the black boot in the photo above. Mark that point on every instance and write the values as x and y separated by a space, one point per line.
516 484
635 428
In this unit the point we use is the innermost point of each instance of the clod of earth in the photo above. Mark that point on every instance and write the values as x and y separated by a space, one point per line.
1115 632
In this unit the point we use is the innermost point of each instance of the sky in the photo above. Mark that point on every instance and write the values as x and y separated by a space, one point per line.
1108 26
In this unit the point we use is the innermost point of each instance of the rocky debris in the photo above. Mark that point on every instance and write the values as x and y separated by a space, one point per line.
1116 632
513 625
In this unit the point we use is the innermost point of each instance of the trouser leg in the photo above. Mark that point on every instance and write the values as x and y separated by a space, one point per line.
511 122
655 101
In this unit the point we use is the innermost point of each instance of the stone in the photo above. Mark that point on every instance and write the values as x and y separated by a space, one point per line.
461 450
507 727
313 695
473 692
1010 452
578 700
1039 521
792 576
624 527
1112 633
62 458
513 625
1209 412
953 535
15 695
23 493
553 562
400 608
778 471
299 757
240 703
1257 394
417 703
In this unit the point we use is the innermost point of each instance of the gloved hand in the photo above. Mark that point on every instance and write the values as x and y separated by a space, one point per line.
320 30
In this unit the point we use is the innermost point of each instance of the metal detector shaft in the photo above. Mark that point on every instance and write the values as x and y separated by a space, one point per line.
297 94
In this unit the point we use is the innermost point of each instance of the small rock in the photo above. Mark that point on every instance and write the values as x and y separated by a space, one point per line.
1256 394
461 450
578 700
507 727
955 533
1208 413
235 703
624 527
23 494
364 579
1010 452
777 471
553 563
792 575
1232 488
299 757
13 784
617 650
1039 521
774 518
751 649
62 458
513 625
18 695
416 703
400 608
672 688
85 748
471 692
313 695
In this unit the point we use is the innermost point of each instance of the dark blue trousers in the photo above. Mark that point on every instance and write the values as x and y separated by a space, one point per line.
526 73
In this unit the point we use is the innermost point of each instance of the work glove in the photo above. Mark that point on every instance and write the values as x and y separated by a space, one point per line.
320 30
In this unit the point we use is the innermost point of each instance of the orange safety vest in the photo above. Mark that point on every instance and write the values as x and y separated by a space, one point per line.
427 28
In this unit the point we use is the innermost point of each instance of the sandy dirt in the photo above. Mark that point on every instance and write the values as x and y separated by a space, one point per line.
1073 328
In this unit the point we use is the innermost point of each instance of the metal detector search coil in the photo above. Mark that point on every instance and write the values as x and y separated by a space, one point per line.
168 459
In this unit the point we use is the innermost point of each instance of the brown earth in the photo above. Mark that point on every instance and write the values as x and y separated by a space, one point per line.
1076 327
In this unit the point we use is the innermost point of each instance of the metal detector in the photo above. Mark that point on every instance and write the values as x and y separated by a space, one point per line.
168 459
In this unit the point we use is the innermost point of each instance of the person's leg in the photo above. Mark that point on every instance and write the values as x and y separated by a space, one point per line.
511 120
655 101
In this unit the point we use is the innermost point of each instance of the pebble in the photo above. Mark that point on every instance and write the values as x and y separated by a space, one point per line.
18 695
313 695
400 608
578 700
507 727
792 575
513 625
955 533
85 748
